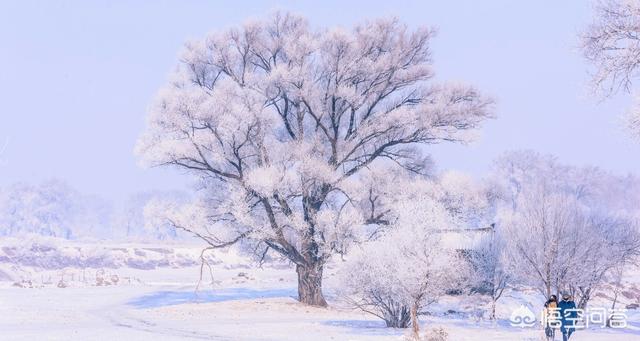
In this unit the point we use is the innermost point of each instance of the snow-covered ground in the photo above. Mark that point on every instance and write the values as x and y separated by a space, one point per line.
154 298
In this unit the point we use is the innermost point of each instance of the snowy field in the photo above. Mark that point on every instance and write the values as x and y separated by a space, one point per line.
157 300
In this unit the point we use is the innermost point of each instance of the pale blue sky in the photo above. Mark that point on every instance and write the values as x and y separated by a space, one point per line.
76 77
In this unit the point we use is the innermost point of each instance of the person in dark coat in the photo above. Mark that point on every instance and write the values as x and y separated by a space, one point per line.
568 316
549 308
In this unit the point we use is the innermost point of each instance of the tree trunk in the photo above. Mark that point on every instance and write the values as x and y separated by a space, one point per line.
547 286
616 291
310 285
493 309
585 296
415 325
396 316
613 306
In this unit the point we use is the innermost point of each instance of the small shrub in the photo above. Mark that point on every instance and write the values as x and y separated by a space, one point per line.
435 334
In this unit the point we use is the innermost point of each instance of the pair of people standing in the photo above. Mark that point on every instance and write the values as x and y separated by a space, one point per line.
563 313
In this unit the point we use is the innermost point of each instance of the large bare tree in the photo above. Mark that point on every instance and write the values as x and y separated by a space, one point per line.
282 123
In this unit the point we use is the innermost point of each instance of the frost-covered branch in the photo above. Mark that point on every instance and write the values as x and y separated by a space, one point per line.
612 44
280 121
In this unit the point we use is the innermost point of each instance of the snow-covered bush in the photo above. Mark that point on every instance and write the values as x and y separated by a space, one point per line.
434 334
407 268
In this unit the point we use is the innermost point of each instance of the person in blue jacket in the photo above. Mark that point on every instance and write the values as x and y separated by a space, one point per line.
568 316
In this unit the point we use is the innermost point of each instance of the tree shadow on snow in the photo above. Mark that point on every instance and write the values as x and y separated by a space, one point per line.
167 298
368 327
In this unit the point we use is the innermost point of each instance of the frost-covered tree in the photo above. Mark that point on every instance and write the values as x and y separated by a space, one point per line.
614 242
543 239
47 209
471 203
560 230
490 267
555 244
137 217
279 120
408 267
52 208
612 44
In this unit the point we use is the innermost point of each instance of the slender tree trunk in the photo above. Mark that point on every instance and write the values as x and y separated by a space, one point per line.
415 325
310 284
585 296
547 287
493 309
613 306
616 291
